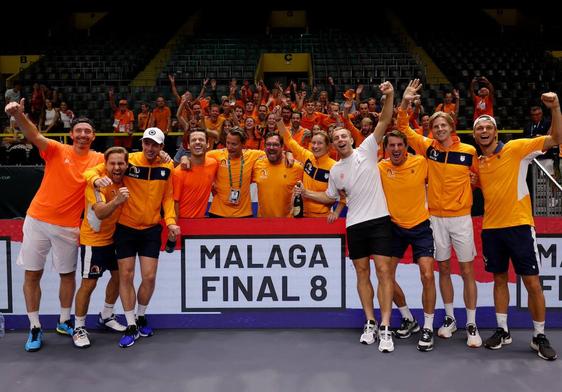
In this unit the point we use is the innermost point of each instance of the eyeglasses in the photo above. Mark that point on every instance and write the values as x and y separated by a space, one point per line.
272 145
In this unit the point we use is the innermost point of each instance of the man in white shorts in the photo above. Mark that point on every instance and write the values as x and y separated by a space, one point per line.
449 200
53 218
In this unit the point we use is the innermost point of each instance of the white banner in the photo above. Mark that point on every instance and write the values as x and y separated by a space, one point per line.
253 272
550 272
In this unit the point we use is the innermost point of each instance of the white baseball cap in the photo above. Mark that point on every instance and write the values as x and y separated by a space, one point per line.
155 134
485 117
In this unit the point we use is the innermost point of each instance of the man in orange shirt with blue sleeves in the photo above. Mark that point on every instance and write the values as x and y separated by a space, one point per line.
53 218
138 230
508 226
449 198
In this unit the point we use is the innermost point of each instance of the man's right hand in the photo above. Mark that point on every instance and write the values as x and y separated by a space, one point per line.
103 182
185 163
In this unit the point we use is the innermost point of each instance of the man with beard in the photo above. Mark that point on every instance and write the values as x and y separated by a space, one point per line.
97 249
275 180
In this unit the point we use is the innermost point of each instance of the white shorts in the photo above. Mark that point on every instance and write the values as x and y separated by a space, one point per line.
455 231
39 237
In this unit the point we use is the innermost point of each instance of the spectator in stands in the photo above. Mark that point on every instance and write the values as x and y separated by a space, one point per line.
123 122
49 120
192 187
404 179
13 95
254 137
53 218
540 126
66 116
37 102
214 122
275 180
450 104
507 229
368 225
484 101
424 129
162 119
363 112
102 210
374 107
449 200
143 118
234 176
298 132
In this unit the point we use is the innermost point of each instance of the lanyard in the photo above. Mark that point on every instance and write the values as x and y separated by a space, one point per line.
241 170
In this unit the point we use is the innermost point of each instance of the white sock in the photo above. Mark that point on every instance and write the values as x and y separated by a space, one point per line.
107 310
141 310
428 321
450 310
64 315
539 328
79 321
130 316
405 312
470 316
33 319
502 321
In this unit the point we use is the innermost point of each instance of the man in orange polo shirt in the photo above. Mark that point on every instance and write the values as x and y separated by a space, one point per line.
275 180
234 176
192 187
508 227
123 122
53 218
404 178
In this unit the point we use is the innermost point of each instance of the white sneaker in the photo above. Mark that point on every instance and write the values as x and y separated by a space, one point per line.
473 338
80 338
111 323
369 335
386 344
448 328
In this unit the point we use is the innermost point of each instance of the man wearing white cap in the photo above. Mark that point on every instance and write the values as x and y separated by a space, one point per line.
508 227
138 230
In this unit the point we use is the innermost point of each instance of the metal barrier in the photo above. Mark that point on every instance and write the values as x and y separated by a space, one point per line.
547 192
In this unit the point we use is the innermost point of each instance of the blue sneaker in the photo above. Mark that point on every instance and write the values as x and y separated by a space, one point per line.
144 330
34 340
131 334
66 328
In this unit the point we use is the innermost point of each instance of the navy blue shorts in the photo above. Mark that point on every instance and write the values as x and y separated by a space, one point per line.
517 243
419 236
373 237
129 242
97 259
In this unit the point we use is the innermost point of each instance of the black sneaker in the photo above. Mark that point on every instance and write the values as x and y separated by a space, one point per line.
144 329
407 327
498 339
542 346
426 340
